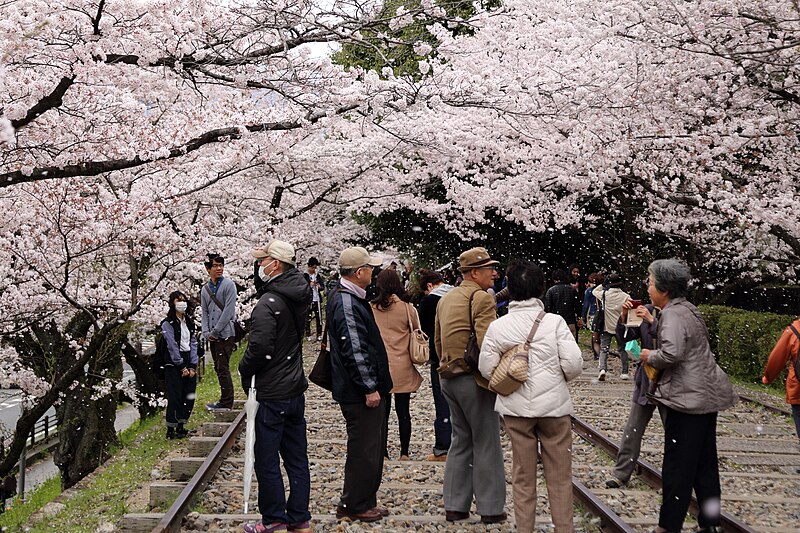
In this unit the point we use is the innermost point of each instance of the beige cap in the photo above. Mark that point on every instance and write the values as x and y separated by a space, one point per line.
475 258
280 250
356 257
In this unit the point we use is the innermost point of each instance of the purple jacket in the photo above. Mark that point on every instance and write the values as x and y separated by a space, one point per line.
647 334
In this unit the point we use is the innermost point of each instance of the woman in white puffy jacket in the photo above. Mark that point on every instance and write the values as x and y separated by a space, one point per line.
539 411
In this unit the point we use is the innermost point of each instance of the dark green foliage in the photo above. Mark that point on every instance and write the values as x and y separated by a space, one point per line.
744 340
711 315
381 46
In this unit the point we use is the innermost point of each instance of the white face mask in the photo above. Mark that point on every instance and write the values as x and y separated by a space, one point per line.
262 272
181 307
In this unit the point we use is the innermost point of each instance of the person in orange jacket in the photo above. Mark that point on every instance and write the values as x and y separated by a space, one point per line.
787 350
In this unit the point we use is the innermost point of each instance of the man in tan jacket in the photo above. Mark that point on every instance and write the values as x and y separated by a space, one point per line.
475 459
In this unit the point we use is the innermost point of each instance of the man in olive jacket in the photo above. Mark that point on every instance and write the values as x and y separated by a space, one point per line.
475 459
274 356
361 384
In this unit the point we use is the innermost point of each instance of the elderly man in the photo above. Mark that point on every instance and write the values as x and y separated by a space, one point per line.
361 384
475 459
275 357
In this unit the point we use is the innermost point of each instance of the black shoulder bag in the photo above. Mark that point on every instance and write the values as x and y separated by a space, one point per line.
599 320
322 373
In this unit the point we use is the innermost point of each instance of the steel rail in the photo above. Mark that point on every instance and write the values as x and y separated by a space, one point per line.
768 407
609 520
171 522
650 474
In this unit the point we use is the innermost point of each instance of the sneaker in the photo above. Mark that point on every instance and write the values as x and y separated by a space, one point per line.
274 527
615 483
215 406
309 338
623 376
319 338
300 527
601 376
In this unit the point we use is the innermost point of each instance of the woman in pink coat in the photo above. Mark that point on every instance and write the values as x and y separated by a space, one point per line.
392 313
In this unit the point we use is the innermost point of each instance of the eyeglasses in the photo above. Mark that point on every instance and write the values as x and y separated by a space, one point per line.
492 267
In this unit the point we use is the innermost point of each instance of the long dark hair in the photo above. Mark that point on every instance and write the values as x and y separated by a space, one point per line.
388 283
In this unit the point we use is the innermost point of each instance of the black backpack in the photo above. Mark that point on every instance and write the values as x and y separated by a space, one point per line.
159 356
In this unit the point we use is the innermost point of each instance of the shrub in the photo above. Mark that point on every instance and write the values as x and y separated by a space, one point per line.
744 341
711 315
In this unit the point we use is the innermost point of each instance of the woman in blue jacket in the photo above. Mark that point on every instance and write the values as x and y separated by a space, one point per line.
180 365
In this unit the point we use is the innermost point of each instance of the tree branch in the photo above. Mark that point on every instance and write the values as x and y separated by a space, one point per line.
52 100
95 168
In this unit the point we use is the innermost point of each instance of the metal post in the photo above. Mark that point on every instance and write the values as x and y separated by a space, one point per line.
46 427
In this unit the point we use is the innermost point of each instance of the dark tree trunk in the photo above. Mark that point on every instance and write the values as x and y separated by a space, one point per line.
87 421
148 387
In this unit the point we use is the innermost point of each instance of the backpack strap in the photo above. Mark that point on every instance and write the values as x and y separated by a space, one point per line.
797 356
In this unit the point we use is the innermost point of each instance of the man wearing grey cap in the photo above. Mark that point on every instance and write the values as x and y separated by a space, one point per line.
274 356
475 459
361 383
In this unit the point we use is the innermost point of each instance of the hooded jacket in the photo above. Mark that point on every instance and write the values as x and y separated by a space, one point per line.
359 363
274 352
691 381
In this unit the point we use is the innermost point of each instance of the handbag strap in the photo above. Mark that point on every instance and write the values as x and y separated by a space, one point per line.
412 325
471 320
536 323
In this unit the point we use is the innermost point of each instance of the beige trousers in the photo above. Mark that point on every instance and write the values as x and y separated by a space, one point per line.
555 436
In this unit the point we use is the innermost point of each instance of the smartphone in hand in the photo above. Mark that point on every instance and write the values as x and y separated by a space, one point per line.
635 303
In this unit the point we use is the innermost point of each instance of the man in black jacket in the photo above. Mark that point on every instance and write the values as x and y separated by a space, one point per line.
361 384
562 299
274 358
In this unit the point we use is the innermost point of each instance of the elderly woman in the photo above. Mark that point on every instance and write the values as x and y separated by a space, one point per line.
539 411
692 388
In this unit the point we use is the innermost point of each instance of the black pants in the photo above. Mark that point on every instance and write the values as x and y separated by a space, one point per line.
180 396
690 462
221 354
402 405
363 468
315 313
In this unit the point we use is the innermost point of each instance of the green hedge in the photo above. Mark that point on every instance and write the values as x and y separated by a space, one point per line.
742 340
711 315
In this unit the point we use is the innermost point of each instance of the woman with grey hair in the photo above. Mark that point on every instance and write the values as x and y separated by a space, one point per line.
692 388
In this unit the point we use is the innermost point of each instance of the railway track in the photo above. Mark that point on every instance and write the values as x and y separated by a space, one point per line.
204 489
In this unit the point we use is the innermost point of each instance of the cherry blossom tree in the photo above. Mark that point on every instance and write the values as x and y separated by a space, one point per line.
138 136
673 118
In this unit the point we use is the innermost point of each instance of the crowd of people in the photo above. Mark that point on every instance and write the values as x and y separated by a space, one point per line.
472 322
